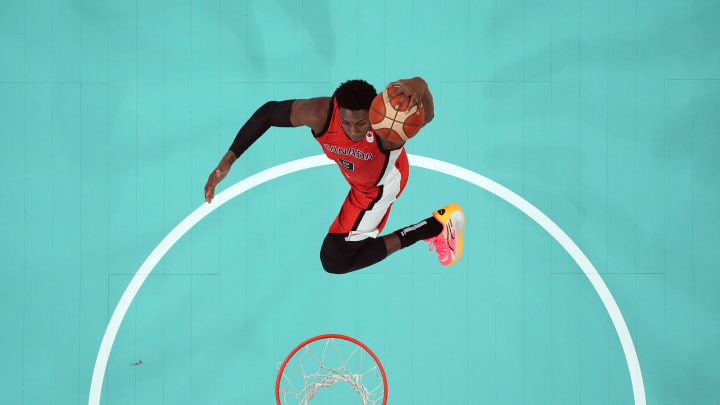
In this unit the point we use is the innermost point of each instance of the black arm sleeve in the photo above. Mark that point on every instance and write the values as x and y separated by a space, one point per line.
272 113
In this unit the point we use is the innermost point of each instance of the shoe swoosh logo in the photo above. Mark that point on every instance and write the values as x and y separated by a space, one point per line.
451 230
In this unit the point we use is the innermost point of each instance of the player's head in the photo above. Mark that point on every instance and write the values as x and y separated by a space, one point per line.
353 99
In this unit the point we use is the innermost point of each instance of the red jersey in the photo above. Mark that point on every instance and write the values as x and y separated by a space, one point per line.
376 177
363 163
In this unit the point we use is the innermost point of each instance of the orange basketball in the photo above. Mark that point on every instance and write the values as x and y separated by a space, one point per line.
395 125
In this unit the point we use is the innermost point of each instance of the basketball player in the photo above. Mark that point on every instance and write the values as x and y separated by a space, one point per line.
376 169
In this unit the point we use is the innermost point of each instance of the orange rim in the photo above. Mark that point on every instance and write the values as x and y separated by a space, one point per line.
330 336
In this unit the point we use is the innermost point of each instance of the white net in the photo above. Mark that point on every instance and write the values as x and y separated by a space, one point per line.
325 362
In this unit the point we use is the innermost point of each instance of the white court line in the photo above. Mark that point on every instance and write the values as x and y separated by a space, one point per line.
320 160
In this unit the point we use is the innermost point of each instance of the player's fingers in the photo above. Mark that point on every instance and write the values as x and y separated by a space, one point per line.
401 101
409 103
414 102
394 84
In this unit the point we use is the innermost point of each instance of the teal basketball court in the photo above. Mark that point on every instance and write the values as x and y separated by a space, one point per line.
602 114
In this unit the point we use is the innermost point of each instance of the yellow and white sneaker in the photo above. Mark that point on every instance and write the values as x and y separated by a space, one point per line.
448 244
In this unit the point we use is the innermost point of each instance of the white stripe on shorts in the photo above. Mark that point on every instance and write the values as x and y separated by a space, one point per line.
391 179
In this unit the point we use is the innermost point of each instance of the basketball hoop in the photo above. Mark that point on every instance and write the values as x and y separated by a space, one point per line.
325 360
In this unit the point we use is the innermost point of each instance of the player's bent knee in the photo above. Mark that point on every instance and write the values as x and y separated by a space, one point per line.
339 256
334 267
334 256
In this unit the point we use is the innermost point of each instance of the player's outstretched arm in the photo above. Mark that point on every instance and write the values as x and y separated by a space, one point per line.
311 112
288 113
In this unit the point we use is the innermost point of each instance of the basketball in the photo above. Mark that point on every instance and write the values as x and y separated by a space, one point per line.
395 125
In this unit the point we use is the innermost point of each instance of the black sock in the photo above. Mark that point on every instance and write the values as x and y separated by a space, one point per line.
427 228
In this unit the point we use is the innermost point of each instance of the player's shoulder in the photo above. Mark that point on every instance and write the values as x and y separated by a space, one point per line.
310 112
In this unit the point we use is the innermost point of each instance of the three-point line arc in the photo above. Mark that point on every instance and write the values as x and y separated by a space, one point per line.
320 160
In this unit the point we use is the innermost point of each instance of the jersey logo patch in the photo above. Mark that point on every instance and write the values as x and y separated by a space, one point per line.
369 137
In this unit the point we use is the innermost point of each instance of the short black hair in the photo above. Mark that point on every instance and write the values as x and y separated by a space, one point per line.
355 95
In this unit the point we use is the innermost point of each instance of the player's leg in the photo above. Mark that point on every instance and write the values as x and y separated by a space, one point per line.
444 231
352 243
405 237
339 256
349 249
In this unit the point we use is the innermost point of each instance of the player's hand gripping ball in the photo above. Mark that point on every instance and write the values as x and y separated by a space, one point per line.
395 125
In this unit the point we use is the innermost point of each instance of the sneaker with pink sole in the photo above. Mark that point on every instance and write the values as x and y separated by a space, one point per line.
448 244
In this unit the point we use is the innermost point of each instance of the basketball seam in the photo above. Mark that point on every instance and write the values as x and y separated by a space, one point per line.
390 128
401 133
